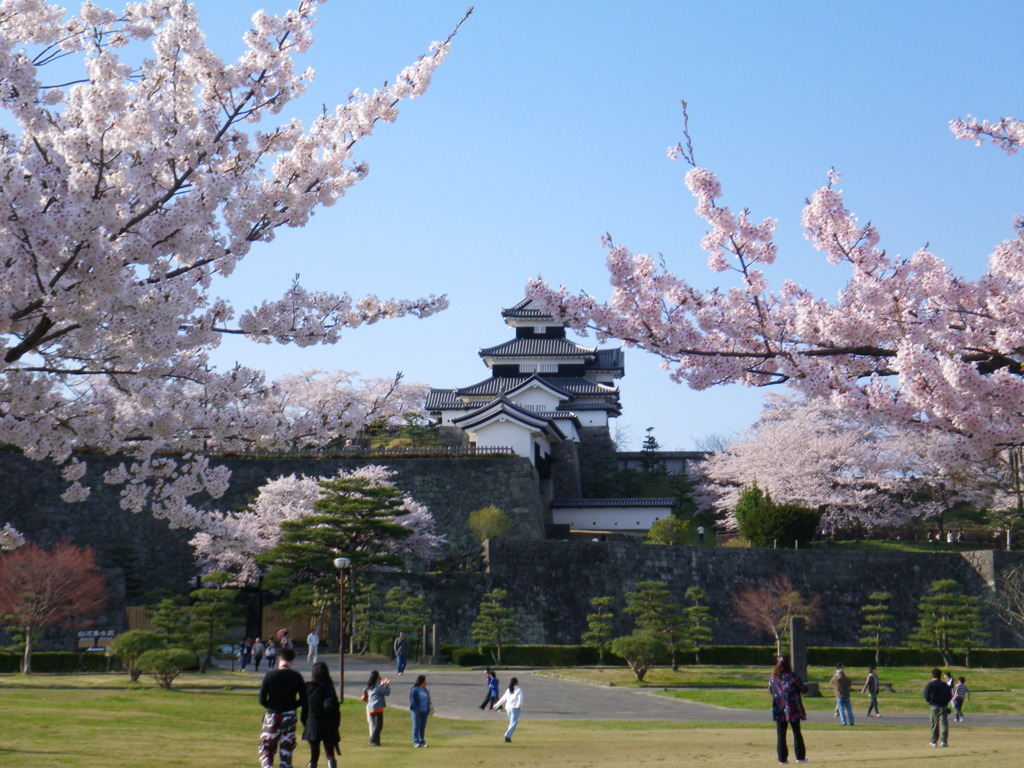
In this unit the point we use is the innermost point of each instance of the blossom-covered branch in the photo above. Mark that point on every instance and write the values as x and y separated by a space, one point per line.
126 188
905 339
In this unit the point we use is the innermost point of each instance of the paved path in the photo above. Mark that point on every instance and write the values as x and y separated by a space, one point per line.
457 693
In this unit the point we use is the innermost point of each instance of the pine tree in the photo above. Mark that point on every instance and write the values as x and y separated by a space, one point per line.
403 612
599 625
877 623
649 459
493 624
948 620
354 517
655 612
752 498
698 621
211 614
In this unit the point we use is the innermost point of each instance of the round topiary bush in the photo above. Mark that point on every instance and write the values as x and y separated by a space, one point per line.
165 664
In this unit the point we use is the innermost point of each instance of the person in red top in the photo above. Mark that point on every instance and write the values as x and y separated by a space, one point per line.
785 687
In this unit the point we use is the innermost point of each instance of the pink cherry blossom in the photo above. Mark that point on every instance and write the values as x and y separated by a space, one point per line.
127 186
905 340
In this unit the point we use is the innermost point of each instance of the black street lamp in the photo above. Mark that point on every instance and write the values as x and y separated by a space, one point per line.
342 564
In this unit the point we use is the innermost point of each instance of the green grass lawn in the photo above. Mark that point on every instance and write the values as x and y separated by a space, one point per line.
993 691
212 721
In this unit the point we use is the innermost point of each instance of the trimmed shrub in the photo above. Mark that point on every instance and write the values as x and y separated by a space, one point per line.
640 650
165 664
129 646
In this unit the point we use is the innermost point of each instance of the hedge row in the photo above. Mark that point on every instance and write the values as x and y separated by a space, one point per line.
729 655
64 662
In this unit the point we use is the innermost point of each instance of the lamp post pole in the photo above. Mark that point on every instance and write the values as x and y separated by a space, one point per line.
342 564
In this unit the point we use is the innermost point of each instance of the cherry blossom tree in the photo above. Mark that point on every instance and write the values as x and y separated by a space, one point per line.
857 471
42 589
127 186
10 538
233 541
905 339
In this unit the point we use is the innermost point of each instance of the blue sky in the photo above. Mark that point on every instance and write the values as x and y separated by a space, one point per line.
547 127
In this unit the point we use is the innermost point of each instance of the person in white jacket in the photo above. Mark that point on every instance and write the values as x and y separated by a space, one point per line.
512 701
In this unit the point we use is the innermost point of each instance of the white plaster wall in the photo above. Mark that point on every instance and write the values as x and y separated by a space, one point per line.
609 518
505 433
536 396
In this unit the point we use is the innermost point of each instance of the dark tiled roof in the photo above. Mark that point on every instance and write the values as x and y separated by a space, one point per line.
504 407
523 309
538 348
657 502
609 360
575 385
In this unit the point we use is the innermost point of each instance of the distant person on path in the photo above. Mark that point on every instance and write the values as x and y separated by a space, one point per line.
871 689
700 534
938 695
401 651
312 645
271 653
244 652
841 686
258 649
960 695
322 717
420 708
284 638
377 688
492 689
512 701
282 693
785 687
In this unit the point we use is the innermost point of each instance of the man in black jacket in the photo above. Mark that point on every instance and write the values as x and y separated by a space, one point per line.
282 693
938 695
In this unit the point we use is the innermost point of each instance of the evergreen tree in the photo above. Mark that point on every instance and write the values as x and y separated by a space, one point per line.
698 621
403 612
599 625
877 623
751 498
655 612
365 610
211 614
355 517
640 650
493 625
649 459
947 620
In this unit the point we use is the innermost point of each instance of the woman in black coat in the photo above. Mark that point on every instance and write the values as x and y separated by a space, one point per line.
322 716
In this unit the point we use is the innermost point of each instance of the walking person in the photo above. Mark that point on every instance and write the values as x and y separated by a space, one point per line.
492 689
282 693
271 653
401 651
938 695
841 686
420 707
244 652
376 690
258 650
512 701
960 695
322 717
785 687
871 689
312 645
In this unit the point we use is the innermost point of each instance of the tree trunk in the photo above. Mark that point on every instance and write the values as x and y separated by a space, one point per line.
26 660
